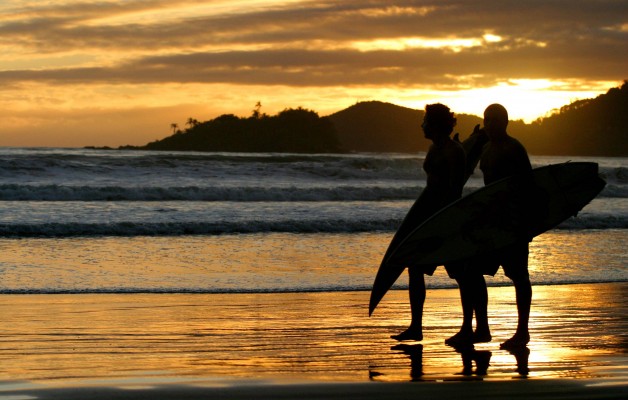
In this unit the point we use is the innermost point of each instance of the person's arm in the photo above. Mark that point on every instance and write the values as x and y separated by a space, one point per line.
473 147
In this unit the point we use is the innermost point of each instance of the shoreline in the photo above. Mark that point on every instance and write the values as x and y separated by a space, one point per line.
184 292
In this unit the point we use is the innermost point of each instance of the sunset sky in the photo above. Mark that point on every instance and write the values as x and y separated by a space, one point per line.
77 73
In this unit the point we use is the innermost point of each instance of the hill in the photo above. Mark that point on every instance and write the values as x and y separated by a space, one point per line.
376 126
292 130
596 126
383 127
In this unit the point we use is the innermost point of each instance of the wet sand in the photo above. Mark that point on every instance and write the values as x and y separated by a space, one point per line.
307 345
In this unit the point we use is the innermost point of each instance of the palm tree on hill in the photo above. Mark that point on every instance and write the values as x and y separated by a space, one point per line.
191 122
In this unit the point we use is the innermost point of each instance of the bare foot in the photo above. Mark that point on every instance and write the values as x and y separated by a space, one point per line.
482 337
409 334
462 338
519 340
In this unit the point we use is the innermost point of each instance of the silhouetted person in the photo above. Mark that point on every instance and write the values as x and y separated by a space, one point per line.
445 168
502 157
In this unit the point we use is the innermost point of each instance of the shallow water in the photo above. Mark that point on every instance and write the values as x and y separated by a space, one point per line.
270 262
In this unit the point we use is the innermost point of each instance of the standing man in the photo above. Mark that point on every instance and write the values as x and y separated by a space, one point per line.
504 156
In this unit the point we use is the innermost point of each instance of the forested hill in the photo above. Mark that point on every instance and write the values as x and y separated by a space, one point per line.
292 130
595 127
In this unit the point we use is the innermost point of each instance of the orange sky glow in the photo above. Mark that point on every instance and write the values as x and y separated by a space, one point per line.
109 73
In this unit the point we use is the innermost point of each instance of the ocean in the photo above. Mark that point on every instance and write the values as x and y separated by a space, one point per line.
108 221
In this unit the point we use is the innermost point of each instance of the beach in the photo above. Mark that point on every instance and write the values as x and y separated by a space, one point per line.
219 275
261 345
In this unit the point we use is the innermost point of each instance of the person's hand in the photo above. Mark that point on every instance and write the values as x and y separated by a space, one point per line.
480 133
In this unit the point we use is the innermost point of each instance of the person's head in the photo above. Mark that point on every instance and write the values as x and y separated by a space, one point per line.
439 121
495 120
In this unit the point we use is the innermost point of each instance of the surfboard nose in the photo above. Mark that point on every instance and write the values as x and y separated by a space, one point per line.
384 279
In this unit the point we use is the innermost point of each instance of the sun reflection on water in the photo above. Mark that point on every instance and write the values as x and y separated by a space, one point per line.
578 331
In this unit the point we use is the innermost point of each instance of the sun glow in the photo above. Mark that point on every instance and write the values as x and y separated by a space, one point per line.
401 44
525 99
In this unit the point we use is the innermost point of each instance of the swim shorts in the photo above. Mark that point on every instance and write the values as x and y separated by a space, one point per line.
513 259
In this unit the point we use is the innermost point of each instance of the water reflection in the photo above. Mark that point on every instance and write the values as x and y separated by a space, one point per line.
318 336
567 341
482 359
475 363
415 353
522 356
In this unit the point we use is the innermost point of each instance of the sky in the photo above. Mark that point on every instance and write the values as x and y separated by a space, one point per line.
108 73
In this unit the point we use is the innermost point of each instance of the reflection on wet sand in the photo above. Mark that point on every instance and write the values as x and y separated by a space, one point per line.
522 356
482 359
475 363
318 336
415 352
567 341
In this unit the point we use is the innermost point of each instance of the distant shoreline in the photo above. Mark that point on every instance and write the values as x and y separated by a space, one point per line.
592 127
348 152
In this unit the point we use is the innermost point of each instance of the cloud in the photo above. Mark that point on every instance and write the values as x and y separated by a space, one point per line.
297 67
313 43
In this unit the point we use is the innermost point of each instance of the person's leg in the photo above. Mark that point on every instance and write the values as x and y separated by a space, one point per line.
416 290
516 268
523 293
465 335
466 298
480 306
474 298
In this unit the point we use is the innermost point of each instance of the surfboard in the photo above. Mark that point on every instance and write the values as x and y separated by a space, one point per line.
507 211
